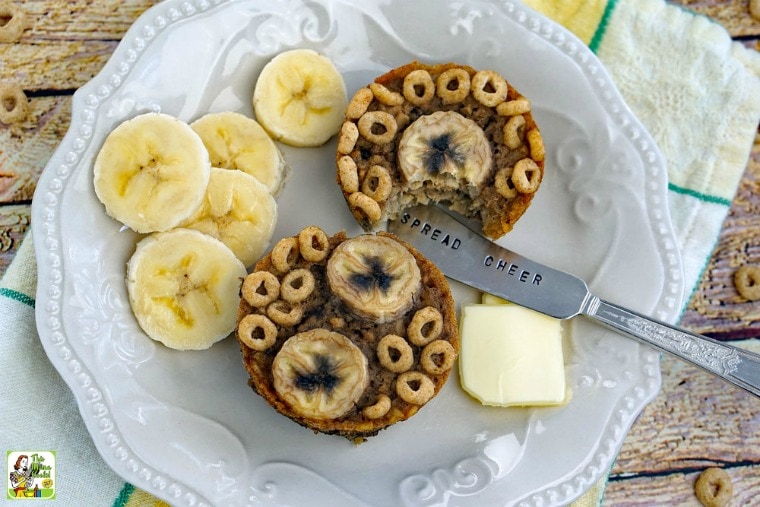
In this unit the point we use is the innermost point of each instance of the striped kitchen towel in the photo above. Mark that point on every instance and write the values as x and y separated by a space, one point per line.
696 91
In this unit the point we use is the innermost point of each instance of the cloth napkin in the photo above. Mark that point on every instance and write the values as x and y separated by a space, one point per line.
695 90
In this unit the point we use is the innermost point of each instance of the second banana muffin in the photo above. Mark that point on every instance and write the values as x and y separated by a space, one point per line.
347 336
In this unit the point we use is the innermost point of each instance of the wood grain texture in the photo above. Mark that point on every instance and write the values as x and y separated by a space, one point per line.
696 422
14 224
734 15
677 489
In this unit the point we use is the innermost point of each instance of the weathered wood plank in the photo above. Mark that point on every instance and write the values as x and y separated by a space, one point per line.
100 20
46 67
696 421
732 14
26 147
677 489
14 224
67 42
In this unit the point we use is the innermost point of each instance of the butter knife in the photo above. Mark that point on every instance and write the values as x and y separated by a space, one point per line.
464 255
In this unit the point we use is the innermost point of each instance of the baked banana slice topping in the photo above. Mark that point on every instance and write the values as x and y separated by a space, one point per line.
183 288
445 148
375 276
320 374
151 172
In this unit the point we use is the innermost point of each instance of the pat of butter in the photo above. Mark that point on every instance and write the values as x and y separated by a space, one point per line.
511 356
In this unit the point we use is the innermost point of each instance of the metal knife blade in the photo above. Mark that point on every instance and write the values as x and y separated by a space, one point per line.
464 255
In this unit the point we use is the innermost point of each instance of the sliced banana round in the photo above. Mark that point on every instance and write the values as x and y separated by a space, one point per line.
151 172
183 288
235 141
239 211
375 276
320 374
445 147
300 98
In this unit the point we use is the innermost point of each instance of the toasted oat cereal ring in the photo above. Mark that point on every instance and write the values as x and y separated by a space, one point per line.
418 87
385 96
359 103
284 313
285 254
377 183
260 288
348 175
713 487
438 357
503 183
415 387
13 104
257 332
378 127
313 243
347 138
536 144
453 85
526 176
378 409
426 326
364 204
747 281
394 353
489 88
513 107
297 285
512 131
14 22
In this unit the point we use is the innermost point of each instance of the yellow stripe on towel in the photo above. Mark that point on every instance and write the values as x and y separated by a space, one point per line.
583 18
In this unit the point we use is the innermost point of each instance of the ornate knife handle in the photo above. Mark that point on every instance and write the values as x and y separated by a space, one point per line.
734 365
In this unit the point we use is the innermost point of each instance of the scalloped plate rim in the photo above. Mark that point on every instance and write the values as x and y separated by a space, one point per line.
44 236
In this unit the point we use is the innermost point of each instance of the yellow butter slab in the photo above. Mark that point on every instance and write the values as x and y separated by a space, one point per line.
511 356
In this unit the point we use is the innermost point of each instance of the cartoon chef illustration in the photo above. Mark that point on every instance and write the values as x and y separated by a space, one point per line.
21 476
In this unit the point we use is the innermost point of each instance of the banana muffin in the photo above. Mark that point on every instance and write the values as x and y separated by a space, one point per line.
346 336
443 133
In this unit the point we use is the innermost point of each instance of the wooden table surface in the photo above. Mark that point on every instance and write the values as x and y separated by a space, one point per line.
695 422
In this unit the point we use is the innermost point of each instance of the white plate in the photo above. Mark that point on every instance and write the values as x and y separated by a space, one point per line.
185 426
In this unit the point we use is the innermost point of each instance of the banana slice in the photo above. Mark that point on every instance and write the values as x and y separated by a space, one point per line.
320 374
375 276
235 141
184 288
239 211
446 147
151 173
300 98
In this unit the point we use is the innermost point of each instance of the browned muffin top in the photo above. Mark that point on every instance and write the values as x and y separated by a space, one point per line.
346 335
443 133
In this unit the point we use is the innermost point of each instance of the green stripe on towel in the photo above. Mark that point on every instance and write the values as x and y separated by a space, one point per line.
596 40
17 296
702 197
124 494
